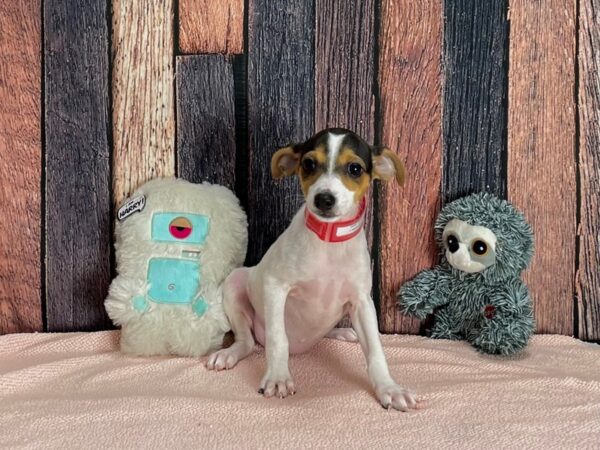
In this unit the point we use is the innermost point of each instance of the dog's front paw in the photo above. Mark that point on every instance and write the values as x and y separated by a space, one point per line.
277 383
397 397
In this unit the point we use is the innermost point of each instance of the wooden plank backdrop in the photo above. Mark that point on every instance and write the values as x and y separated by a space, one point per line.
209 26
143 96
206 119
410 81
541 156
77 151
20 169
588 263
502 96
475 97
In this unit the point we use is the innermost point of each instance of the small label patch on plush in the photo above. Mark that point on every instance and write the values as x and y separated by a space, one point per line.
489 311
136 204
200 307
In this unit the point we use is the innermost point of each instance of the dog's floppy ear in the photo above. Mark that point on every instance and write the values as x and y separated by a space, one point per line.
284 162
386 165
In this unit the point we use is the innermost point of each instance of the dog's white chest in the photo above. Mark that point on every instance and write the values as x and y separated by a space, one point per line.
313 307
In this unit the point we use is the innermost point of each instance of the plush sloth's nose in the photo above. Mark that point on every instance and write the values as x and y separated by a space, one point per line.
324 201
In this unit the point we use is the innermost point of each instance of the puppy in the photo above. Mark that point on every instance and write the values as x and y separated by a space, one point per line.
318 269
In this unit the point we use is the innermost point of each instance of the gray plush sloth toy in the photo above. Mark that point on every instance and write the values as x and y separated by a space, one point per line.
476 291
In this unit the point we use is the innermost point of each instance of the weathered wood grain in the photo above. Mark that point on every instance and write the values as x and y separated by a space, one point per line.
410 89
142 93
588 274
209 26
475 97
206 149
20 170
280 110
240 84
77 124
344 73
541 156
344 66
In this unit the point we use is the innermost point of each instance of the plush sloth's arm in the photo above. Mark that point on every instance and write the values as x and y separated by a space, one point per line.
507 321
428 290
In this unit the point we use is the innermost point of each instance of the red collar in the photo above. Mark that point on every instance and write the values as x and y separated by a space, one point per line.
336 231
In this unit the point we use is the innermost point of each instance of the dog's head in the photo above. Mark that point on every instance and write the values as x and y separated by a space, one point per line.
335 168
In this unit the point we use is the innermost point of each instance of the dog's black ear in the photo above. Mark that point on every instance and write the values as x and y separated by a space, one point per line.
386 165
285 162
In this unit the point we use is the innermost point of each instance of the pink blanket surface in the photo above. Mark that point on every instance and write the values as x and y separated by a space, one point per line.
77 391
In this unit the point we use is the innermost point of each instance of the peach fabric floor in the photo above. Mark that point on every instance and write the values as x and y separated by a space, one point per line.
77 391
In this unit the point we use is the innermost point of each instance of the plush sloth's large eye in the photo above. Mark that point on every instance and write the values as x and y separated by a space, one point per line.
308 165
479 247
452 243
355 170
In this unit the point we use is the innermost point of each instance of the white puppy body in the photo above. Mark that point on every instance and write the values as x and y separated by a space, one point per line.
321 283
300 290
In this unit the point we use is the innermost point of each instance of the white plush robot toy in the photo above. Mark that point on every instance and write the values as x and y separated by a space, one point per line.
175 244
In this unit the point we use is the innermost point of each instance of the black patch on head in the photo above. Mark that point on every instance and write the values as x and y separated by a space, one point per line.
351 141
360 148
312 143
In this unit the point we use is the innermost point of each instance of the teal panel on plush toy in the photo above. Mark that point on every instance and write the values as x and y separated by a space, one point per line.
179 227
173 280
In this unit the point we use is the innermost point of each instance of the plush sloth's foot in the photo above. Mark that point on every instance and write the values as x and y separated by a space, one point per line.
343 334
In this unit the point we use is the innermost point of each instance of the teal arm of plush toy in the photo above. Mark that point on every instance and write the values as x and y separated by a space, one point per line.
506 321
428 290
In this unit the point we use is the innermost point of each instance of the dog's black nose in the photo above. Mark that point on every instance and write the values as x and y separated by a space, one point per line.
324 201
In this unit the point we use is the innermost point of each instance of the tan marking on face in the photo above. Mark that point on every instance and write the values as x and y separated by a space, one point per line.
319 155
358 185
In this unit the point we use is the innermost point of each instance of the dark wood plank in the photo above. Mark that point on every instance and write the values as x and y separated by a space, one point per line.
344 73
588 275
280 110
240 84
209 26
541 156
143 96
475 97
410 88
344 66
206 119
77 124
20 171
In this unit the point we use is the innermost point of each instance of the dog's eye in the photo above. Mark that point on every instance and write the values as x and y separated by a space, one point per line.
479 247
309 165
355 170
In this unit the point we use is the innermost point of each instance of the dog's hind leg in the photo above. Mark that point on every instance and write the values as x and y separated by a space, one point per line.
240 313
